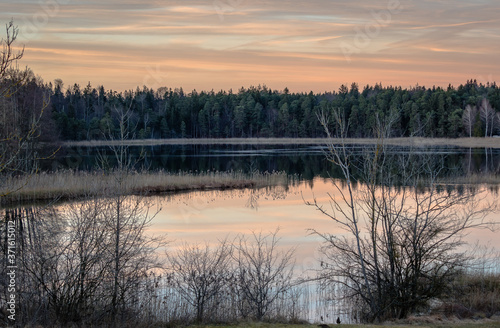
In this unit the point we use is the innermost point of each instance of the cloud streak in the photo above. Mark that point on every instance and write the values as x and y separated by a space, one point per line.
282 44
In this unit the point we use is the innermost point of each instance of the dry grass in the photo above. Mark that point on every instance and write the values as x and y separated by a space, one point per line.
493 142
423 322
474 179
429 322
474 296
439 321
63 185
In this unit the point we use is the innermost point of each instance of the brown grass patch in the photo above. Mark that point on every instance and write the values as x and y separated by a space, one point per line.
474 295
418 142
64 185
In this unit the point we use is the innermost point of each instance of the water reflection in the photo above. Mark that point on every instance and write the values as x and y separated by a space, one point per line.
306 161
212 215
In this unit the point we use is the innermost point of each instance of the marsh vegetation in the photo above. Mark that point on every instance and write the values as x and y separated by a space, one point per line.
75 185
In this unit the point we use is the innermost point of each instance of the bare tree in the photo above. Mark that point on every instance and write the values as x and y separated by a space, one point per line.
69 266
497 117
469 119
40 257
131 253
263 272
201 274
86 249
487 114
9 57
76 267
20 117
401 245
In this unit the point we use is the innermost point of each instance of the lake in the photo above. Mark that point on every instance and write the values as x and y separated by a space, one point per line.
211 215
306 161
240 210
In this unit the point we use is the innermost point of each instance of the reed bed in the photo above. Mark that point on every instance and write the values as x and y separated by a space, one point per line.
488 179
66 185
491 142
474 296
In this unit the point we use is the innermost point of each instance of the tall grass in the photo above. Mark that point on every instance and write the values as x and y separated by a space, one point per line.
64 185
162 302
414 141
475 295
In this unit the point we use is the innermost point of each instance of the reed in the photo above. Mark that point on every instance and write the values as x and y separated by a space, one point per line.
492 142
488 179
67 185
474 295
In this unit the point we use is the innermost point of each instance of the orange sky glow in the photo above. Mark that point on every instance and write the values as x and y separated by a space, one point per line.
211 216
228 44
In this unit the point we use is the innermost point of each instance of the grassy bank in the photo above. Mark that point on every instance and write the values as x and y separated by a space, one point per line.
65 185
420 142
431 322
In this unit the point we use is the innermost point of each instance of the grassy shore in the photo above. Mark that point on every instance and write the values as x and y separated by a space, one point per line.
65 185
419 142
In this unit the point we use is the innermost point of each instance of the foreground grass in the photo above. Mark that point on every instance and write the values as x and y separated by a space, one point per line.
493 142
66 185
436 324
464 324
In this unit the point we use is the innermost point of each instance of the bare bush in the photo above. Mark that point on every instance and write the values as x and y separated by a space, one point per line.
263 273
76 267
201 274
23 100
403 229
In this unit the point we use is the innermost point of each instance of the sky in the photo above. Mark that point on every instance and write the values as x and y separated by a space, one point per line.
314 45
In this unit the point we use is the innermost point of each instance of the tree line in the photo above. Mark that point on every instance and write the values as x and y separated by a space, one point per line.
76 113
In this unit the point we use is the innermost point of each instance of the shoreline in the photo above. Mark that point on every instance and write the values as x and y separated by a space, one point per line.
490 142
74 185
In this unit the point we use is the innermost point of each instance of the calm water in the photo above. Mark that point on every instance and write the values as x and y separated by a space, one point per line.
200 216
308 162
212 215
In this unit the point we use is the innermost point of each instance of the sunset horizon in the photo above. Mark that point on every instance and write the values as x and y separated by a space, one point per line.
230 44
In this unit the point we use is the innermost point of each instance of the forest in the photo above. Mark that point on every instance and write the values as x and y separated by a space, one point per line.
91 113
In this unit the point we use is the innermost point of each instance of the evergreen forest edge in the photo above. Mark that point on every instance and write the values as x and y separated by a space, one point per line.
259 112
